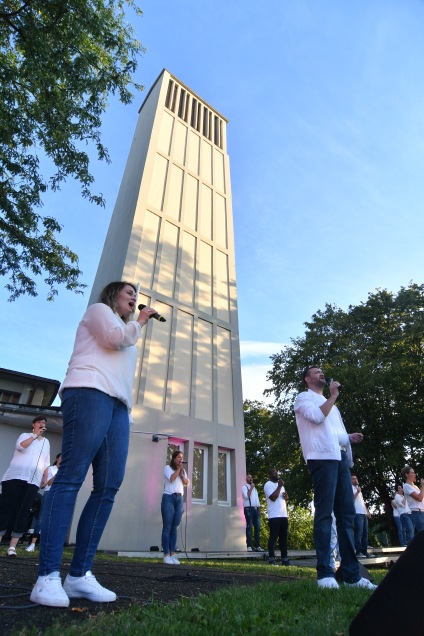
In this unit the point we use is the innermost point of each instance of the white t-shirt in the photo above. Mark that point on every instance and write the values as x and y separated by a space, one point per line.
51 473
278 507
360 507
28 464
169 487
402 505
413 503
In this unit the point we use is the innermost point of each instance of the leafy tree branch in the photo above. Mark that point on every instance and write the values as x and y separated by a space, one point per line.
60 60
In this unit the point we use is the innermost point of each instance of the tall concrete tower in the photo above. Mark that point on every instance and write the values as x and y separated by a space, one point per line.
172 232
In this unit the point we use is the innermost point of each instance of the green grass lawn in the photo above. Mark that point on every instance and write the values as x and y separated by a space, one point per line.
296 607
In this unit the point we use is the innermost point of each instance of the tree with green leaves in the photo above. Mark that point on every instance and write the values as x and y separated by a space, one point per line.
272 442
375 349
60 60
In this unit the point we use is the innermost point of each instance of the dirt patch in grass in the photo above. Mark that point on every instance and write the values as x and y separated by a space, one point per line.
134 582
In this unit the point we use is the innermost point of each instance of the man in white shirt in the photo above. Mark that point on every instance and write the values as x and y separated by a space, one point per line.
278 522
328 454
361 520
252 513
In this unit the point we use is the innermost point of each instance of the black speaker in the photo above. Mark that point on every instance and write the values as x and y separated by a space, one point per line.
395 606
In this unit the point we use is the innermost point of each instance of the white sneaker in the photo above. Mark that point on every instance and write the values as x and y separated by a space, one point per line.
11 552
169 560
362 583
49 591
328 582
30 548
249 550
175 560
87 587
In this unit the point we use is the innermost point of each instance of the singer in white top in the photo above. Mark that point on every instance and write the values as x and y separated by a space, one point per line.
96 402
414 497
22 479
172 505
361 519
326 447
405 516
276 498
252 513
46 484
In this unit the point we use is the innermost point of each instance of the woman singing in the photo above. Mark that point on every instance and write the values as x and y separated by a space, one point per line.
96 400
22 480
172 505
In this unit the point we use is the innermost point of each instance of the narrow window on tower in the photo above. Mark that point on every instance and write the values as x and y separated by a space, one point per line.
224 477
205 122
199 481
193 119
217 130
181 104
169 94
199 115
187 104
174 98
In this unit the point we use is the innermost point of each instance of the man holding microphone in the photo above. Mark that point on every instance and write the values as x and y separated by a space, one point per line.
327 451
22 480
252 513
276 501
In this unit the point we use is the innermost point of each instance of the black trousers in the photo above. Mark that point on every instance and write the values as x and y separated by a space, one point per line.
15 505
278 527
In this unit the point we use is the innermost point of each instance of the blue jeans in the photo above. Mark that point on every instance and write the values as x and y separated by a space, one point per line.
95 431
333 491
253 518
417 520
408 527
172 512
361 533
37 525
400 530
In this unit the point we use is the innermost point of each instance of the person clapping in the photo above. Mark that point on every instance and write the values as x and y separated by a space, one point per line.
172 505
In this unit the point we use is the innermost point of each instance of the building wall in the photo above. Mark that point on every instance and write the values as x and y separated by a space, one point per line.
172 233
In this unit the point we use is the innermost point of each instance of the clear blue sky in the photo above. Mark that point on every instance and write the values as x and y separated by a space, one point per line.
326 142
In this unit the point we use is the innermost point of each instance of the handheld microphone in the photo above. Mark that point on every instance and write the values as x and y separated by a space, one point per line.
328 380
184 462
156 315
